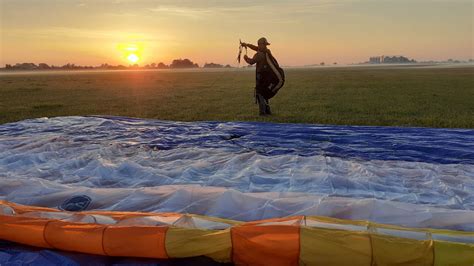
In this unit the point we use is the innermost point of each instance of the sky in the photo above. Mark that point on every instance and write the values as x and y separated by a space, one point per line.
301 32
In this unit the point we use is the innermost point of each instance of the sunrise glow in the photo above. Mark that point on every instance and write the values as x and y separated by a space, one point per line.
122 32
133 58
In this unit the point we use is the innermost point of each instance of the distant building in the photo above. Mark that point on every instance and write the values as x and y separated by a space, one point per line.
375 60
390 60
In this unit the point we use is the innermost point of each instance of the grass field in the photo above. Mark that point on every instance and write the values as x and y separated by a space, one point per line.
398 96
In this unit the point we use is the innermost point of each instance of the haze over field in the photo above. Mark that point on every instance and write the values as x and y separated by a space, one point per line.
88 32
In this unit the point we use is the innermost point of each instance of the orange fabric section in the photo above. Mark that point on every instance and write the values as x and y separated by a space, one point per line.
265 245
137 241
24 230
85 238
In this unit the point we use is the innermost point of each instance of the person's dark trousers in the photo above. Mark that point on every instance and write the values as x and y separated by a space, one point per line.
263 105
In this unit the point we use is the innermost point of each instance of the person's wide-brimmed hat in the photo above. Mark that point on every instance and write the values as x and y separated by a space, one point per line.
263 40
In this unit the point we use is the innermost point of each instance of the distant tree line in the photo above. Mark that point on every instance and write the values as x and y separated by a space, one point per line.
175 64
212 65
44 66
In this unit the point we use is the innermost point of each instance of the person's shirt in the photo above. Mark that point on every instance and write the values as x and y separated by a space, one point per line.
260 59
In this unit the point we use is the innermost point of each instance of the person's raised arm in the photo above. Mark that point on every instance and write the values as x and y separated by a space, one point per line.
251 46
249 60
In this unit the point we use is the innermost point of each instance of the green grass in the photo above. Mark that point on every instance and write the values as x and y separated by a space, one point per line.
398 96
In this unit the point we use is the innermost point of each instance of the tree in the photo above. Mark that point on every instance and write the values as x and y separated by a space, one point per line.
43 66
183 63
212 65
161 65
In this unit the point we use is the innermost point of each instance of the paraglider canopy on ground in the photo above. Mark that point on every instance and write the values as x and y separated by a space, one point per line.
216 182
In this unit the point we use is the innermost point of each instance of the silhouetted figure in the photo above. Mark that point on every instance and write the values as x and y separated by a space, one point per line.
269 76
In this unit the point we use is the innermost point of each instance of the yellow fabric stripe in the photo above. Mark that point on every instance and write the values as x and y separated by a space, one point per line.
389 226
455 254
388 250
385 249
334 247
216 219
185 242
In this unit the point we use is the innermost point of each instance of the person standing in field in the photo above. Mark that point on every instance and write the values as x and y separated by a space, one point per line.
269 76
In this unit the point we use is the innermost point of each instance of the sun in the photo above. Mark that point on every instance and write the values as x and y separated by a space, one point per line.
131 52
133 58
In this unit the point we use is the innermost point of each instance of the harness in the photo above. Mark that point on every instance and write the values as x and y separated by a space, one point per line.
279 75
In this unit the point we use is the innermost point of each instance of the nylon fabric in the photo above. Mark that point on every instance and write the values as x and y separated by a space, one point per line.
185 242
286 241
149 187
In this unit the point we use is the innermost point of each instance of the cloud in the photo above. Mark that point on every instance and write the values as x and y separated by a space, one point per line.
256 9
181 11
88 34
